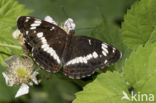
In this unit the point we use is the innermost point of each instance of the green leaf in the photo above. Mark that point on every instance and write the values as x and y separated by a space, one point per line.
6 93
140 69
10 10
59 90
139 23
153 35
106 88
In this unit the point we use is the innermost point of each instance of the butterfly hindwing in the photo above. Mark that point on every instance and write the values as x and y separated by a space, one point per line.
86 54
46 40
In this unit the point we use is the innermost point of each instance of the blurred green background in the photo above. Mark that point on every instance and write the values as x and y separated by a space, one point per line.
96 18
86 13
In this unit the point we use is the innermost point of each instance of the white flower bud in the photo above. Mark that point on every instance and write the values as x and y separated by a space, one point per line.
16 34
50 20
69 25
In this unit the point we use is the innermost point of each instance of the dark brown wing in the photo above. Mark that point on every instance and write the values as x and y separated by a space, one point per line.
85 55
47 41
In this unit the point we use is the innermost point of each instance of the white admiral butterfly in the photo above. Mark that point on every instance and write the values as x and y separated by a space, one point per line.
53 48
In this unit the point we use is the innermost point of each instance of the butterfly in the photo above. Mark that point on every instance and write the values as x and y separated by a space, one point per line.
53 47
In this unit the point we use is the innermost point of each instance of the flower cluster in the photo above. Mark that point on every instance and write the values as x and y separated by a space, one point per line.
20 72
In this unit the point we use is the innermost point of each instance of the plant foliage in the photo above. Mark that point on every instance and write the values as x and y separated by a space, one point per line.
9 11
136 37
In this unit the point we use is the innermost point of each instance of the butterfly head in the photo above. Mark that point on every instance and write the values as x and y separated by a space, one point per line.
20 22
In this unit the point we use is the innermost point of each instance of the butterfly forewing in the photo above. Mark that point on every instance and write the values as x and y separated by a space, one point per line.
47 41
86 54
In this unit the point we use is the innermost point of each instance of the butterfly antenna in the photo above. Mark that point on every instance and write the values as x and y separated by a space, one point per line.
86 28
64 12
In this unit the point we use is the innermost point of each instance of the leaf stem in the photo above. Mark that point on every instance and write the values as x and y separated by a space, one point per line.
10 46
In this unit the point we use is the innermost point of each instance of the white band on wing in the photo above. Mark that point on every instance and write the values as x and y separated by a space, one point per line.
45 46
83 59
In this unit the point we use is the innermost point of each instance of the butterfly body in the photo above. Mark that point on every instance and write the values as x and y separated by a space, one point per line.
53 48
